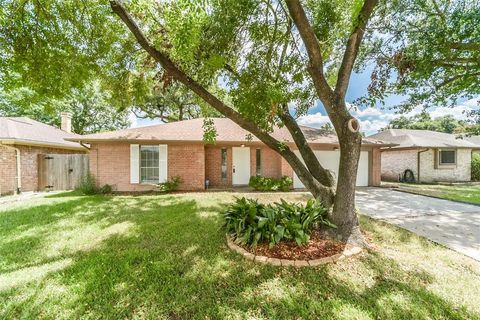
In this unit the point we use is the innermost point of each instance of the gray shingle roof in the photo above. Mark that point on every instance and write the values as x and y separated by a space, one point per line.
473 139
406 138
192 130
23 130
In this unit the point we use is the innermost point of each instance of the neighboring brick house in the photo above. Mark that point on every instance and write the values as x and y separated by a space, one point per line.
137 159
21 141
431 156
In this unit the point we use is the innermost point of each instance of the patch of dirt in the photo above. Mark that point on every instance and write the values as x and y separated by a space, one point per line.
318 247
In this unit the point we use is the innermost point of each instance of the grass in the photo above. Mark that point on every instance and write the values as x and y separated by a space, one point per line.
462 192
165 257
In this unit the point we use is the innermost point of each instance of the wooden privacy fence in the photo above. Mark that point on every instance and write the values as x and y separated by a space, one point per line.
61 171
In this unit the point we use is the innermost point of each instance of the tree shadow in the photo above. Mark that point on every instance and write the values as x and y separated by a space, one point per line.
174 263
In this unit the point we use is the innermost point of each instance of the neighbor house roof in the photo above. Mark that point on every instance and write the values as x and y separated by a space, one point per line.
473 139
406 138
192 130
25 131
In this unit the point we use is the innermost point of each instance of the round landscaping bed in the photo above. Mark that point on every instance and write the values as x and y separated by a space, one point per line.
317 251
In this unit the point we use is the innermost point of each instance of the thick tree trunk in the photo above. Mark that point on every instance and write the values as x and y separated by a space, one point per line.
344 214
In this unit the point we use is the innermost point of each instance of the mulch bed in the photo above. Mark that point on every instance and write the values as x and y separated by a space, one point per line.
317 247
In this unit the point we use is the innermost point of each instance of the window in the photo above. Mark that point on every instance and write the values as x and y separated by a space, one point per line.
258 162
447 157
224 163
149 164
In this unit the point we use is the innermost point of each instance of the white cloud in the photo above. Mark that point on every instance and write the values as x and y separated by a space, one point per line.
141 122
133 120
314 120
473 103
374 119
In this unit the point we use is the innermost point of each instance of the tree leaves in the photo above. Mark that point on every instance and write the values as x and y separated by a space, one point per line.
426 50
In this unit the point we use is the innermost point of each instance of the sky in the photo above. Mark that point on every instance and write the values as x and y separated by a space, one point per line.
371 119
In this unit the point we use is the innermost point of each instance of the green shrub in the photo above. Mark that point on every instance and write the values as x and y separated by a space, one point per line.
250 222
170 185
271 184
475 166
106 189
88 185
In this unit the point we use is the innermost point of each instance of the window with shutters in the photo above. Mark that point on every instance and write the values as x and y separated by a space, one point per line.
149 164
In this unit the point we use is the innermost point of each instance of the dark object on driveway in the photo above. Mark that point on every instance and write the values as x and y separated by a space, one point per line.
407 176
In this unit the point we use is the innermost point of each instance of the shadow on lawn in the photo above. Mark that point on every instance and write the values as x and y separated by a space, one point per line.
174 263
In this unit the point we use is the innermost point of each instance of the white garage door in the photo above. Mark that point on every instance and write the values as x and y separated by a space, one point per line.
330 160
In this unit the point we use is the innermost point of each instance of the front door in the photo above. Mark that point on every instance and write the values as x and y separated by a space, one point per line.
241 166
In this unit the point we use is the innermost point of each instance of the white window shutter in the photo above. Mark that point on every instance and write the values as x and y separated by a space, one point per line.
134 163
162 163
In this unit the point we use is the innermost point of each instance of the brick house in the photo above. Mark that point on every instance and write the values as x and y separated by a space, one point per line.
431 156
21 141
137 159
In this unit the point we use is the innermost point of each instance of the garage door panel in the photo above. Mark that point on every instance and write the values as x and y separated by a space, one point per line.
331 160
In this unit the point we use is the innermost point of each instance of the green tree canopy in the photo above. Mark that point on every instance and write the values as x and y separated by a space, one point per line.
90 108
447 124
427 50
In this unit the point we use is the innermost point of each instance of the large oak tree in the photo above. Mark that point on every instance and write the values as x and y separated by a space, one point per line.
261 63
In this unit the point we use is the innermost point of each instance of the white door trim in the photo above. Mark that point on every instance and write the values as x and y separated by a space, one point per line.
240 166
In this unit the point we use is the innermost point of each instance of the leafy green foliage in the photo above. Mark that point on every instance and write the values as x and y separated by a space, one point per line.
251 222
106 189
170 185
248 47
447 124
270 184
90 108
88 186
430 52
475 166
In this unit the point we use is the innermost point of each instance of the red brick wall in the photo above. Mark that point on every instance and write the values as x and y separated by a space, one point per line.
271 162
110 164
8 171
286 168
213 171
29 166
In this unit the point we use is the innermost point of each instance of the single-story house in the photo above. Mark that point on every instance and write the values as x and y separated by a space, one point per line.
139 158
21 141
431 156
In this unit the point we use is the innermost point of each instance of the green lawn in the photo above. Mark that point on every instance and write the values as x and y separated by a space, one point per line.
462 192
165 257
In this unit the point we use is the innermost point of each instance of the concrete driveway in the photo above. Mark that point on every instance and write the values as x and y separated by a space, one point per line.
453 224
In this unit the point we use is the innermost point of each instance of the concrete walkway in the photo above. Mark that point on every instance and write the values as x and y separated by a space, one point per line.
453 224
7 201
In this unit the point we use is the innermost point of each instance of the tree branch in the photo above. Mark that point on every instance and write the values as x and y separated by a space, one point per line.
464 46
455 78
311 161
313 50
351 51
304 175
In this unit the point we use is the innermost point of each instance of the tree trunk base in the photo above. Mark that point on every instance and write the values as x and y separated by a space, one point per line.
352 237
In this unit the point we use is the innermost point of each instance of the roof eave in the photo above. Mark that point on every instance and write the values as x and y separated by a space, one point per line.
40 144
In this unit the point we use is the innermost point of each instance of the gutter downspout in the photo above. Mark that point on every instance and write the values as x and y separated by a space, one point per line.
418 163
19 166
